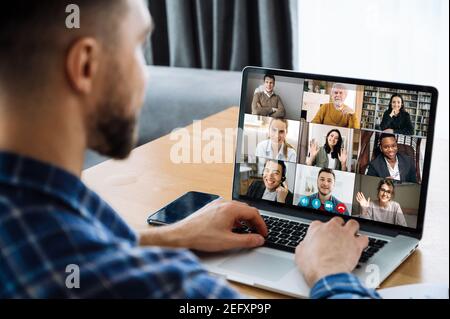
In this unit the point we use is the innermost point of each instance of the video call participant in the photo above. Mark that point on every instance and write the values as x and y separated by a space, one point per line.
384 209
276 146
337 113
326 180
330 155
267 103
390 163
273 185
396 119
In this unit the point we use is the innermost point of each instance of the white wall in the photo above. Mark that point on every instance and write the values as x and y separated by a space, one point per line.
392 40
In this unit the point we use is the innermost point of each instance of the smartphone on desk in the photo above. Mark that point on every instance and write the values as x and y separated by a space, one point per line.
181 208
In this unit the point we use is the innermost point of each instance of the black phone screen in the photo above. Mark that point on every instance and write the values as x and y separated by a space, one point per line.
181 208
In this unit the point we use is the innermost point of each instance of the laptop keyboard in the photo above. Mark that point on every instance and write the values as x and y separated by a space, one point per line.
374 246
286 234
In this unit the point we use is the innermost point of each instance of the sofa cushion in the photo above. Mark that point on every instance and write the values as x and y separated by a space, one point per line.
177 96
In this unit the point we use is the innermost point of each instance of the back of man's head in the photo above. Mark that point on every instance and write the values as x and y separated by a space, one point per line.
91 76
34 35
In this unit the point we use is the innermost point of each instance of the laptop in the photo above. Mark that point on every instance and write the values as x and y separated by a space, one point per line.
311 147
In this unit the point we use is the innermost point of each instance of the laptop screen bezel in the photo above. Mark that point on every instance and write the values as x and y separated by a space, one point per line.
310 213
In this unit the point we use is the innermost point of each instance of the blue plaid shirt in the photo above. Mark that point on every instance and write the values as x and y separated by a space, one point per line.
341 286
50 221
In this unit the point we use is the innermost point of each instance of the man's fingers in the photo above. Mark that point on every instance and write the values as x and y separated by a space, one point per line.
352 226
337 221
252 216
246 240
363 241
314 225
215 202
299 248
239 203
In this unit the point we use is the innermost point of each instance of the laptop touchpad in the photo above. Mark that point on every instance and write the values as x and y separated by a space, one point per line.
259 264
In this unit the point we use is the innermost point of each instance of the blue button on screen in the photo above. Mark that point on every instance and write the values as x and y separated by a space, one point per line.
316 203
329 206
304 201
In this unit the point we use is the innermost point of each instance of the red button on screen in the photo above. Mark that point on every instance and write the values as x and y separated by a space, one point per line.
341 208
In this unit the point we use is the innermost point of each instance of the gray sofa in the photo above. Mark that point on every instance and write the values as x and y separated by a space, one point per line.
177 96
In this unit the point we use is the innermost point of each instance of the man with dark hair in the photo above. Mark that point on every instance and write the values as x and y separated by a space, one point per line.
269 76
273 185
390 163
65 90
267 103
324 199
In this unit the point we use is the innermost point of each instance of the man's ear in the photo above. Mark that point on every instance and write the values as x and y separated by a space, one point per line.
82 63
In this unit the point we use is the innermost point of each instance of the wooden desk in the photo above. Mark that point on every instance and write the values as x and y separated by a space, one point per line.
148 180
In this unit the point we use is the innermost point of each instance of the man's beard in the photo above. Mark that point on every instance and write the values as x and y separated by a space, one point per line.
113 127
112 131
337 103
323 194
117 135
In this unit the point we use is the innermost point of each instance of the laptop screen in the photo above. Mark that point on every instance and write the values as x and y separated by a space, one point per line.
335 146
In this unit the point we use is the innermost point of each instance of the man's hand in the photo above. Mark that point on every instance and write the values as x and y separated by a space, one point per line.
329 248
210 229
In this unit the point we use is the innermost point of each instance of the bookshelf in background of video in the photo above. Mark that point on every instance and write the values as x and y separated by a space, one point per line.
376 101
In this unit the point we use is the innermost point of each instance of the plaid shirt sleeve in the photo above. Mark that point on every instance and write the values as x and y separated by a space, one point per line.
38 245
59 239
342 286
150 273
